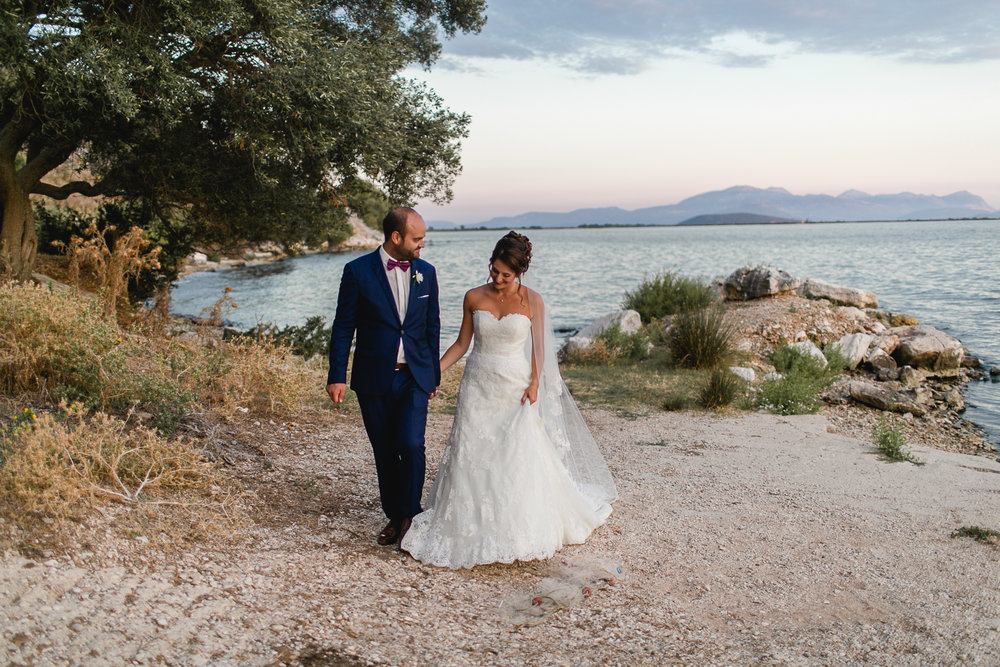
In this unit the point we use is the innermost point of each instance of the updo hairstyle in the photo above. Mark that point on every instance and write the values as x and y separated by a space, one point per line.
514 250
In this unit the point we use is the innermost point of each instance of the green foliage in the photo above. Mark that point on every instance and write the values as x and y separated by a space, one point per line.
621 345
793 394
722 387
249 116
701 338
804 376
306 341
890 441
979 534
667 294
367 201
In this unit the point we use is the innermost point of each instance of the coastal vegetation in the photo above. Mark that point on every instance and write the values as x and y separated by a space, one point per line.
676 360
890 441
667 294
979 534
801 377
232 121
99 406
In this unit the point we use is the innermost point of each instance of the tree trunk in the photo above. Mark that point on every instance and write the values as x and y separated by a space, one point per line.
18 243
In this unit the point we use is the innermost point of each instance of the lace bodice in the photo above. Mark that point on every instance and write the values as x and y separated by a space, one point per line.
505 336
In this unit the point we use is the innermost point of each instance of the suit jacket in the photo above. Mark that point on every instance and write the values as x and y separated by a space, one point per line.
365 305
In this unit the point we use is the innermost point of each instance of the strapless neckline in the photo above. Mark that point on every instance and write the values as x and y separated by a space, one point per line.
502 317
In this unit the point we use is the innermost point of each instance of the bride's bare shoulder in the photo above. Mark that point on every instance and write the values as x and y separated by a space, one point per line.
475 295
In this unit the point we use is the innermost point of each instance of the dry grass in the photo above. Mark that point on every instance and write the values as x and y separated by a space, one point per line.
112 266
256 376
61 464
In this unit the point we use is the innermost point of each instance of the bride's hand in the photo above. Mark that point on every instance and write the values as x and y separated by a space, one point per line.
530 394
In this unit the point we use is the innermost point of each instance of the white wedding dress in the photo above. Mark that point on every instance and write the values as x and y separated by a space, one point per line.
503 491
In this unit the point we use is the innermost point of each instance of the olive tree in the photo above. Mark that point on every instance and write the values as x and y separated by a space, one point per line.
246 114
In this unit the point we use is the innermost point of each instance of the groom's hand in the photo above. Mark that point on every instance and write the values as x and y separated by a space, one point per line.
437 390
337 391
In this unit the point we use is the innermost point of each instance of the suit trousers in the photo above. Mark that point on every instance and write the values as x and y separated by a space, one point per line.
395 422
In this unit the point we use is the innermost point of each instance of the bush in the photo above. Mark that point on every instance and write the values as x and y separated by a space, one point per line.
58 346
793 394
804 378
722 387
667 294
701 338
611 345
59 460
306 341
890 441
56 226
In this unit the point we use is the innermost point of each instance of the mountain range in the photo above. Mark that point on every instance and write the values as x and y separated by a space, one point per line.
756 205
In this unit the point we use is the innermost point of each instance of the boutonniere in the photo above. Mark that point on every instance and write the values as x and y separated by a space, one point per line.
419 277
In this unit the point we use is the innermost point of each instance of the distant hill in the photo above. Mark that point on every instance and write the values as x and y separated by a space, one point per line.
772 203
735 219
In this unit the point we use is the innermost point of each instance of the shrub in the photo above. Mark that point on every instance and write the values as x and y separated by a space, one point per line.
56 226
54 464
306 341
610 345
622 345
58 346
793 394
667 294
890 441
979 534
722 387
701 338
804 378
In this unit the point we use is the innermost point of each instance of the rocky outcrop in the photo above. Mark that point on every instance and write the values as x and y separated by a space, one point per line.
842 296
925 347
755 282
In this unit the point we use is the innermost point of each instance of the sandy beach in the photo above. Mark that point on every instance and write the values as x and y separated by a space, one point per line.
749 539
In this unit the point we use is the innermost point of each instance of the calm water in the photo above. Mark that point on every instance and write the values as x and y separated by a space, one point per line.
944 273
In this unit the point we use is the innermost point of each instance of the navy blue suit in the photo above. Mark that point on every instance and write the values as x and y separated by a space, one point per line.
393 402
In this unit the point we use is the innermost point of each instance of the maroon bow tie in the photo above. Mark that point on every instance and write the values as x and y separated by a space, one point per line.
392 264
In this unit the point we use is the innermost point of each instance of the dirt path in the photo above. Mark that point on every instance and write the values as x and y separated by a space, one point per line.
754 539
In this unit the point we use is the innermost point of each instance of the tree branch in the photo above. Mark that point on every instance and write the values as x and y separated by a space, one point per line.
84 188
43 162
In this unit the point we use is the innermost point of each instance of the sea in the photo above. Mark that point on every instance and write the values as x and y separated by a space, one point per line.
944 273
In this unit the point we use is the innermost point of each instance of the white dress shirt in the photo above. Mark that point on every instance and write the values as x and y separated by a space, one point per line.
399 285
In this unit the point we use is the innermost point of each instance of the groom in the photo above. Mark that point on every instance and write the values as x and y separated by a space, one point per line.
390 297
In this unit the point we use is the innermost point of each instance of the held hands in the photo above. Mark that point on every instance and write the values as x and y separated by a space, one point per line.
530 394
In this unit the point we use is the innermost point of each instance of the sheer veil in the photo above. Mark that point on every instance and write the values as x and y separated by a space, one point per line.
557 409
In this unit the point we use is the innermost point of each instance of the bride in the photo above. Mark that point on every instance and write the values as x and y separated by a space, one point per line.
521 476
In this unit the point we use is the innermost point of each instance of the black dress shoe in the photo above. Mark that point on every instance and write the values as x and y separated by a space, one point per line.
389 534
404 526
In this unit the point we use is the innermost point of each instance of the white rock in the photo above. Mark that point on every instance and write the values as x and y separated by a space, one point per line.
844 296
627 320
809 348
199 258
853 347
747 374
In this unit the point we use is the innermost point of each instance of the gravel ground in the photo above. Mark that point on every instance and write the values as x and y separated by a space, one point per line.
749 539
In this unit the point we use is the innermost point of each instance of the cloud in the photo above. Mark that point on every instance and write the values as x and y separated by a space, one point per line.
627 36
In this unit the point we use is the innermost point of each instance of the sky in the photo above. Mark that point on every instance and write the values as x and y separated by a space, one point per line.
636 103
